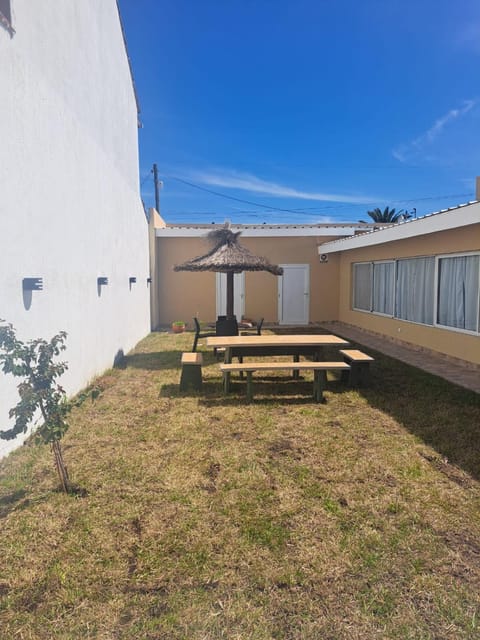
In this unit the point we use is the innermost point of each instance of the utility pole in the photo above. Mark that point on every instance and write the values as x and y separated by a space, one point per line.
156 185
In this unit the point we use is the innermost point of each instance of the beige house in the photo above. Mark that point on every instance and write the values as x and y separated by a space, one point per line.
307 292
417 281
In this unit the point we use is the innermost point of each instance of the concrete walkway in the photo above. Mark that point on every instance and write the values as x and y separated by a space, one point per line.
465 375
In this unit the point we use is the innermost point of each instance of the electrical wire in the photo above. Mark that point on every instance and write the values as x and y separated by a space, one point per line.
223 195
311 211
343 204
300 211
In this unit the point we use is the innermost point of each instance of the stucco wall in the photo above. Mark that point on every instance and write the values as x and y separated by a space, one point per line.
70 208
184 294
447 341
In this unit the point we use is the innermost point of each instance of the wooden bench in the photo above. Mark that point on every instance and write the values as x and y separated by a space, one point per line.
359 374
319 373
191 376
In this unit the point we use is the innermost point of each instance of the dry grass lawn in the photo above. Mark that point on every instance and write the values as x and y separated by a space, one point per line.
202 517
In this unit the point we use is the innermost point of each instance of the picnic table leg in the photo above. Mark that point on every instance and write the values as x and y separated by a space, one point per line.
240 361
296 372
355 374
359 374
365 375
249 386
226 382
316 385
319 383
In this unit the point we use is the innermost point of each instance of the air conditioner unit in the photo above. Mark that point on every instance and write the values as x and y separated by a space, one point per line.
324 257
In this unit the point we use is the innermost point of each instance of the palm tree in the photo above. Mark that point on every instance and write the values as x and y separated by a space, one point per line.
387 215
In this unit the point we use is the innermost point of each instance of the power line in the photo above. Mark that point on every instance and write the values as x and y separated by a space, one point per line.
223 195
450 195
313 211
300 211
333 206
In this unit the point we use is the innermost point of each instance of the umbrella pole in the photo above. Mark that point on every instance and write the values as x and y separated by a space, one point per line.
230 313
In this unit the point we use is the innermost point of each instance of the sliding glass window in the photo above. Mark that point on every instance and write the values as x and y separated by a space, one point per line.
383 287
414 297
442 291
458 292
362 286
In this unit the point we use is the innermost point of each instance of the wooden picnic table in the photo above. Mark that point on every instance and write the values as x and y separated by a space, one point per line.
273 345
295 345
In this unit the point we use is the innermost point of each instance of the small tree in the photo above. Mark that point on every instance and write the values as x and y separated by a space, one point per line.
39 390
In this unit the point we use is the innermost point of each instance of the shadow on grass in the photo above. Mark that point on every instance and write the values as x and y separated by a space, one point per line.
441 414
161 360
18 501
153 361
13 501
267 391
172 390
234 400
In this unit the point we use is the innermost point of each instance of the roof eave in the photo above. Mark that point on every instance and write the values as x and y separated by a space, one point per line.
459 216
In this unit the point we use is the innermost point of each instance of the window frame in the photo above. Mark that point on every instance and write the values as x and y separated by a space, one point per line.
354 264
436 324
395 317
394 262
436 277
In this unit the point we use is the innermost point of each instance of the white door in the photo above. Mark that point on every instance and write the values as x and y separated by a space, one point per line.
294 294
238 294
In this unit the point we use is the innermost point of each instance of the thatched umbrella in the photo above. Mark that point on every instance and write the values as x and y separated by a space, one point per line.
228 256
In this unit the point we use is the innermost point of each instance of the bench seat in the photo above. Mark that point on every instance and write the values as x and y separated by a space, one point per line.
192 358
359 374
319 372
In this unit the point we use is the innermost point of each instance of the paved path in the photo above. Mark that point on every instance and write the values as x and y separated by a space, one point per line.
464 376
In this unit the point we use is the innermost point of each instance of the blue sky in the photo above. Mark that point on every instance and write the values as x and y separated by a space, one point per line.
306 111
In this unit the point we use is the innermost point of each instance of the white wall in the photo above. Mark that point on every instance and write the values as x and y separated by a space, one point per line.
70 208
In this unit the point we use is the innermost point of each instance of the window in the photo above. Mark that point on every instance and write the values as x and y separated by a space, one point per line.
441 291
458 292
414 290
362 286
383 287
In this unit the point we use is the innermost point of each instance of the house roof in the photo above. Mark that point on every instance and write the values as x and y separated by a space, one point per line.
452 218
267 230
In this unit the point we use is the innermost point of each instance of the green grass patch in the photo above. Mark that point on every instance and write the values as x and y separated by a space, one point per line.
205 517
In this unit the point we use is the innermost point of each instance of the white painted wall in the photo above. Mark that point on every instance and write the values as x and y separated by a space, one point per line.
70 208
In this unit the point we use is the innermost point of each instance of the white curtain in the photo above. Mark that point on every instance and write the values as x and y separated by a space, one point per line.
383 287
362 286
458 282
414 291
